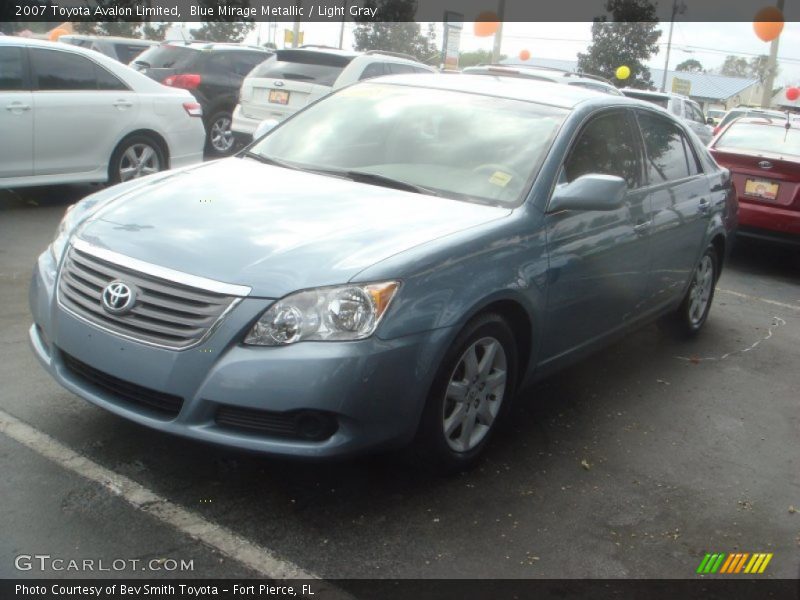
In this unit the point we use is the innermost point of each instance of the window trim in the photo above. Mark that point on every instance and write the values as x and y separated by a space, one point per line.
27 80
34 75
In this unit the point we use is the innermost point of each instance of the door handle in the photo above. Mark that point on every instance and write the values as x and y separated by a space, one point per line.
123 104
704 205
17 106
641 228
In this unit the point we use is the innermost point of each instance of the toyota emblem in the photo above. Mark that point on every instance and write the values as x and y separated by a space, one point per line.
118 298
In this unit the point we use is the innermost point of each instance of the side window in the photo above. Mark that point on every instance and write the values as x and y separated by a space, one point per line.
375 69
108 81
400 68
421 70
665 147
218 64
11 72
606 146
695 167
61 71
695 114
244 62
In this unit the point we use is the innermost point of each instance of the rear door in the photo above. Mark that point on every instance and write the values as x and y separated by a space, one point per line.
80 110
16 114
598 259
680 205
286 83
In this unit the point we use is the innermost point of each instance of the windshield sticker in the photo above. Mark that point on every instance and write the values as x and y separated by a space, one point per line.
500 178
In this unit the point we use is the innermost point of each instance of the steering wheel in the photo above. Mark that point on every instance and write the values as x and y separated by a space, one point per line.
492 168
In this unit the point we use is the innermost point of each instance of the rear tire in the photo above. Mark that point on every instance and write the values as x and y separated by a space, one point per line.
692 314
219 137
134 157
470 394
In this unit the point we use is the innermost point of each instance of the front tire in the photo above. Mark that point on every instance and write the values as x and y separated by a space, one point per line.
471 392
692 314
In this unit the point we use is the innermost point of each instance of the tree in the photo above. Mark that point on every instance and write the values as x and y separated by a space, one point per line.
755 68
629 39
121 26
478 57
690 66
155 31
397 32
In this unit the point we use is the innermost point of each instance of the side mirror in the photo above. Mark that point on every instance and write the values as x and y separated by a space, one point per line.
589 192
709 120
264 128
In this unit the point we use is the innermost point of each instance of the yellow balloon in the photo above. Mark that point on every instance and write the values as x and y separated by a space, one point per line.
623 72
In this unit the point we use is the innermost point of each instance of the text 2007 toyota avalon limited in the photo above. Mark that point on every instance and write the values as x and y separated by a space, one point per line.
385 268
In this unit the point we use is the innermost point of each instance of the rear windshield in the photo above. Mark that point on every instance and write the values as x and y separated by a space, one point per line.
314 67
166 57
755 137
661 101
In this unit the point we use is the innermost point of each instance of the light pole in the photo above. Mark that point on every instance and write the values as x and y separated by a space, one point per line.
498 35
676 10
772 63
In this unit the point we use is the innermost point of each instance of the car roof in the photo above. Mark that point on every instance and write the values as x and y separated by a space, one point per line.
222 46
653 93
765 121
538 72
549 93
108 38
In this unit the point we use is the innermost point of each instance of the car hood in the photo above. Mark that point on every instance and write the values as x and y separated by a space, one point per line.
275 230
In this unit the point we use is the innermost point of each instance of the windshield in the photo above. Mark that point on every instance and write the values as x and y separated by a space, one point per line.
459 145
166 57
773 139
302 65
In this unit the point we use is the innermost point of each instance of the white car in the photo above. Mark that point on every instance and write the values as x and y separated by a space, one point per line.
295 77
682 107
72 115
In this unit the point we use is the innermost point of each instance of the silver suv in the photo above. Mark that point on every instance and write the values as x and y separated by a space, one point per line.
119 48
295 77
584 80
682 107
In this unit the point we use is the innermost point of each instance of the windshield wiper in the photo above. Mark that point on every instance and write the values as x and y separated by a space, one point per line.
269 161
375 179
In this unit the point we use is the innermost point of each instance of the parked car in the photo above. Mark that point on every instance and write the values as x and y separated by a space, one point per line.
763 155
74 115
213 73
296 77
121 49
426 246
682 107
592 82
715 116
747 111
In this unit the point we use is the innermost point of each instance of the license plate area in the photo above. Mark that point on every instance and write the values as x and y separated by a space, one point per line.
761 188
279 97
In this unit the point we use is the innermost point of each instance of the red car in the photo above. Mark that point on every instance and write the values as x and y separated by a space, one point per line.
763 155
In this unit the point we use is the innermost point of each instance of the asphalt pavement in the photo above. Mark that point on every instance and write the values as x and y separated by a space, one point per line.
631 464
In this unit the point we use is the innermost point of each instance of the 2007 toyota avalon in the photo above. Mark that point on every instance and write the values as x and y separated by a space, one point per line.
384 269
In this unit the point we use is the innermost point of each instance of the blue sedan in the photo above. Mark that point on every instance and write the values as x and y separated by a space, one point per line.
386 268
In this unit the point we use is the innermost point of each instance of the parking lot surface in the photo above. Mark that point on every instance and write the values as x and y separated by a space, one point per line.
631 464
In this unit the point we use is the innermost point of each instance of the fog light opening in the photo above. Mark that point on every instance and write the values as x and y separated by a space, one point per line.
314 426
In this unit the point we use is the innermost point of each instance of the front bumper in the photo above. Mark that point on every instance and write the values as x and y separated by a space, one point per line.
374 389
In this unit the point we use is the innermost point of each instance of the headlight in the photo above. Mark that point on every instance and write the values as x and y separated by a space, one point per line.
62 235
348 312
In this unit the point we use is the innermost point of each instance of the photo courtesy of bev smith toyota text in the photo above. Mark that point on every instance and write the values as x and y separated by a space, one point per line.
359 299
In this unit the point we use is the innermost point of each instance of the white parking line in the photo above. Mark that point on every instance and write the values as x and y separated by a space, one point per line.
760 299
259 559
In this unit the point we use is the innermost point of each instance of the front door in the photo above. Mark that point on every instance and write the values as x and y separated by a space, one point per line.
16 115
598 260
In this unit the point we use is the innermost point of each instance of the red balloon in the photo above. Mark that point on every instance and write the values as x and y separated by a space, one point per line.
792 94
524 54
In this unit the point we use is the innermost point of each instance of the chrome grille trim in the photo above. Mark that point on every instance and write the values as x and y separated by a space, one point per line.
167 313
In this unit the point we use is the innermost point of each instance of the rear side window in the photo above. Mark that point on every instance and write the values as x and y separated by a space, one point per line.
301 65
244 62
400 68
11 73
375 69
64 71
666 149
127 52
606 146
167 57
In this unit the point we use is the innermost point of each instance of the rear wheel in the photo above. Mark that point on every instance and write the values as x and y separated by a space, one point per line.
693 311
471 392
135 157
219 137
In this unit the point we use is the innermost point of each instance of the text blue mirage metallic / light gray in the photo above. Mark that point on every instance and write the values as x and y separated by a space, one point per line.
386 267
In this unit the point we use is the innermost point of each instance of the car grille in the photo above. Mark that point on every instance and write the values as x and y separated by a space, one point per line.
165 313
302 425
160 402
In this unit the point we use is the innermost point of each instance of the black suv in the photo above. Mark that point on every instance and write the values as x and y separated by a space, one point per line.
212 72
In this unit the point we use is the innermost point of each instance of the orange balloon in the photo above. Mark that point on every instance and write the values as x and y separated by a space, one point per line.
524 54
768 23
56 33
486 24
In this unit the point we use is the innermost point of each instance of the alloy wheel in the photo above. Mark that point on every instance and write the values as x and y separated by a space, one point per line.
700 293
221 135
137 161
